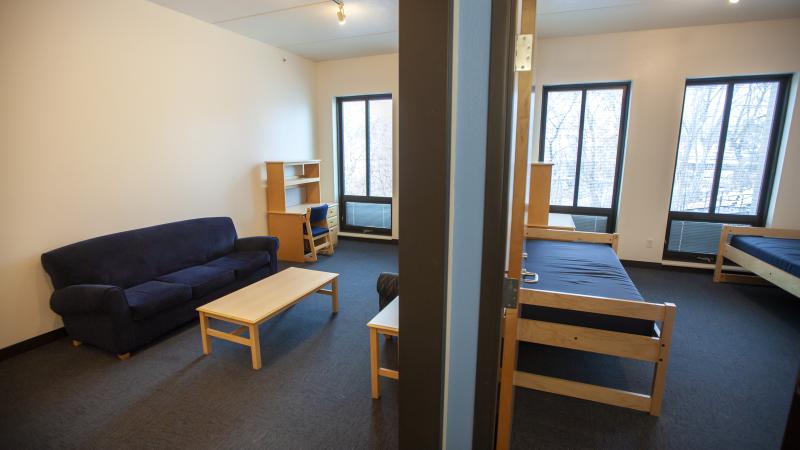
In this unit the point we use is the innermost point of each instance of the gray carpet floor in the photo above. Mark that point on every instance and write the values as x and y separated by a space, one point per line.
313 391
733 365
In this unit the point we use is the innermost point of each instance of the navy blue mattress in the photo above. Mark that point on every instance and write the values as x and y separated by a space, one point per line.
581 268
781 253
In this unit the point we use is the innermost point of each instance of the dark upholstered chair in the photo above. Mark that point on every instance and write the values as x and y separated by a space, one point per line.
388 288
316 227
119 292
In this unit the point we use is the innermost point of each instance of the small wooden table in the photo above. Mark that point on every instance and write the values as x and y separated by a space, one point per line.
387 322
252 305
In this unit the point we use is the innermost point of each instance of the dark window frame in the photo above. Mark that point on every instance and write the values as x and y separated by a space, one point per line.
609 213
344 199
770 163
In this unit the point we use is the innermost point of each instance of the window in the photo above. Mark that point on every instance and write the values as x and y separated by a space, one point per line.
365 163
725 166
582 134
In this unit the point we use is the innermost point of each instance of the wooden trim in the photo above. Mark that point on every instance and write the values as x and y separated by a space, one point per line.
600 394
660 376
573 236
593 340
591 304
524 89
389 373
743 279
784 233
774 275
723 242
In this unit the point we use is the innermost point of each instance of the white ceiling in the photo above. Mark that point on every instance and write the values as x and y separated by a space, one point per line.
310 29
572 17
305 27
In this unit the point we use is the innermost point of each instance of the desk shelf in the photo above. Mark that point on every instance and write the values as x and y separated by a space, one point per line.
292 188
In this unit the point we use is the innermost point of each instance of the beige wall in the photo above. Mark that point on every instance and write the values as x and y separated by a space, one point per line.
118 114
658 62
355 76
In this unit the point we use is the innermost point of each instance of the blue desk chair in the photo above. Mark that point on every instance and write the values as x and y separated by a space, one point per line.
316 228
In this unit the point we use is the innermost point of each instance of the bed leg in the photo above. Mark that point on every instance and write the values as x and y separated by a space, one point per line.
660 375
723 241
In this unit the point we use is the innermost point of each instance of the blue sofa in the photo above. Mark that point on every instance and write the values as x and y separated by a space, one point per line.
121 291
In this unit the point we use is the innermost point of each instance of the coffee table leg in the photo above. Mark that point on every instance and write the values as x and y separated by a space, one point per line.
204 333
373 362
335 295
255 347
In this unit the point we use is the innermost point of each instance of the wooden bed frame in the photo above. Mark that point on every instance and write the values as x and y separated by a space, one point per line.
765 273
654 349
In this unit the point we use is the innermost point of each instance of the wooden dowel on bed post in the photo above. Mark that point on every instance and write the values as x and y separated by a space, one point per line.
723 241
660 375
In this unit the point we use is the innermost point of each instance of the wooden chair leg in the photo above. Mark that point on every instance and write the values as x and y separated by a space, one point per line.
330 243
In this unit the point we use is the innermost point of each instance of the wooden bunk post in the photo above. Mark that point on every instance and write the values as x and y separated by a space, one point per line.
723 240
523 65
660 376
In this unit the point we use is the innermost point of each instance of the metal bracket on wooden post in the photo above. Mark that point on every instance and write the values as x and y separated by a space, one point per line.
523 53
510 292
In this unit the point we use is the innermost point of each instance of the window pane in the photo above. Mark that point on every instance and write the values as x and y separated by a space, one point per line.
380 148
561 143
373 215
599 150
594 224
697 150
354 151
745 154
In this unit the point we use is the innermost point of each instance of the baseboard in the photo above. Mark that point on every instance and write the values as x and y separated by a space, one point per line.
32 343
368 238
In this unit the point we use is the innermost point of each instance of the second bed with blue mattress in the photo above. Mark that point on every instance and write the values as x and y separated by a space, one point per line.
585 269
781 253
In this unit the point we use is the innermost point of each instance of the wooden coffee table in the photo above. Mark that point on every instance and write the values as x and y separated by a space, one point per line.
253 305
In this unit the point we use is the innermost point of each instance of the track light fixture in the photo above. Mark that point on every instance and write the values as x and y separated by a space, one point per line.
340 14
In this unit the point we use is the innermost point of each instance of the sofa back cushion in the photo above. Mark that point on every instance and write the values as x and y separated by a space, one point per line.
132 257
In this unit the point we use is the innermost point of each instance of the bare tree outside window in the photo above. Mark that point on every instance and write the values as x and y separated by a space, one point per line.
726 152
581 136
365 162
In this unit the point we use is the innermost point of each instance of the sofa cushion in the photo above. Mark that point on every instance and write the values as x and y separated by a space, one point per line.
202 279
151 297
242 263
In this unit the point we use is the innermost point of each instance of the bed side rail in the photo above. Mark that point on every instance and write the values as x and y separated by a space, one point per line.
573 236
725 250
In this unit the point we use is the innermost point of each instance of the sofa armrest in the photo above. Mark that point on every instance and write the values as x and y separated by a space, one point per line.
260 243
90 298
388 288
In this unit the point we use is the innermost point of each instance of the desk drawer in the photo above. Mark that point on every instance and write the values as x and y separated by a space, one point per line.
333 210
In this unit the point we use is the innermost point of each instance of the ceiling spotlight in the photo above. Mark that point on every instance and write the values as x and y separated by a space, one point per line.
733 2
340 14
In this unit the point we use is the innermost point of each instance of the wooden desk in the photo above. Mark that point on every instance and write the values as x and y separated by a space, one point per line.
557 221
287 226
253 305
387 322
